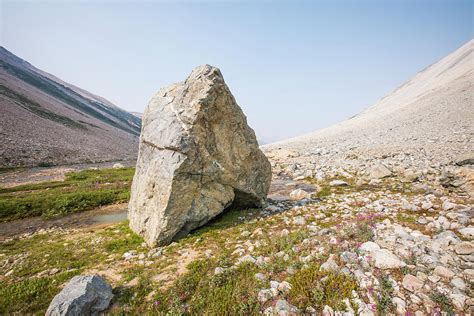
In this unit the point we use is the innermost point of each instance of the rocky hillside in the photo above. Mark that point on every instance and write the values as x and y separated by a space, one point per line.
45 120
427 121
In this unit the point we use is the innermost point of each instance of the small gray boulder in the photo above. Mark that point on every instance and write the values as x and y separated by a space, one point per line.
83 295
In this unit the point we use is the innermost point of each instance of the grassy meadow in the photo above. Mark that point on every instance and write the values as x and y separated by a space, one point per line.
80 191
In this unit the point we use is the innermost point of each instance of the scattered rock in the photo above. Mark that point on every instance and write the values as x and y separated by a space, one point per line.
284 287
218 270
412 283
443 272
384 259
265 295
330 264
465 159
246 258
338 183
299 220
282 307
369 246
467 232
464 248
379 171
299 194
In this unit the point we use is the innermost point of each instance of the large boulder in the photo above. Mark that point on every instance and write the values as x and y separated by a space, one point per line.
82 295
197 156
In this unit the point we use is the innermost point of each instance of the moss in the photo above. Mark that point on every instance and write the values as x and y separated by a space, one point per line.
325 191
315 288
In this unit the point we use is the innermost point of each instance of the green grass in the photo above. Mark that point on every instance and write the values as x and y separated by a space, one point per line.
326 190
30 295
443 302
200 292
80 191
315 288
25 292
385 295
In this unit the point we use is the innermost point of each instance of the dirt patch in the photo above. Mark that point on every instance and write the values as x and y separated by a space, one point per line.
166 277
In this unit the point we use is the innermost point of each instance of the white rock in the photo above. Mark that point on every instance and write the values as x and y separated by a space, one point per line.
467 232
384 259
412 283
246 258
245 233
299 220
264 295
458 301
426 205
464 248
400 305
218 270
282 307
328 311
284 232
459 283
260 276
299 194
338 183
284 287
369 246
379 171
443 272
448 205
329 265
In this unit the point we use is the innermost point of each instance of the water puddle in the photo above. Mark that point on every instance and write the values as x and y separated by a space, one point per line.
109 218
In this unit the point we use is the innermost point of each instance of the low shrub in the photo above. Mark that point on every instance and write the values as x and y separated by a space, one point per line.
315 288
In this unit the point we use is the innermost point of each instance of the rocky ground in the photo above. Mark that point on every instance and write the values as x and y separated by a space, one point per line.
342 243
371 216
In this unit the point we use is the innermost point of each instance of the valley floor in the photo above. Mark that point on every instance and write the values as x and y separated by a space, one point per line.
366 248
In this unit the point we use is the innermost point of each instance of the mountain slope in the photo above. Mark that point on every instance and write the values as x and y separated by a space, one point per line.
46 120
430 116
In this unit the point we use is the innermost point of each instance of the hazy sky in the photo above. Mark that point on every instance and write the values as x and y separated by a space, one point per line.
293 66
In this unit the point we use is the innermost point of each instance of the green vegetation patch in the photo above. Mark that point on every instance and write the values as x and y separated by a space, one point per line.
315 288
385 295
80 191
443 302
201 292
30 287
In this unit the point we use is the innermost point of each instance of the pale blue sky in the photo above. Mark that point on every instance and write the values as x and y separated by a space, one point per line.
293 66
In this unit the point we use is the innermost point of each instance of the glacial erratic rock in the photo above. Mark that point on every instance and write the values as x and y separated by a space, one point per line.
83 295
197 156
